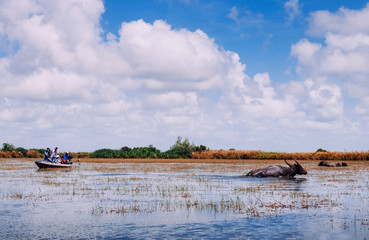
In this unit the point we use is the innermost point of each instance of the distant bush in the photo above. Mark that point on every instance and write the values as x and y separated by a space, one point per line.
105 153
9 151
126 152
22 150
16 154
39 150
4 154
33 154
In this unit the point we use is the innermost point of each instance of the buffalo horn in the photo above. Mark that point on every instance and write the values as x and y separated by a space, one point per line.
287 163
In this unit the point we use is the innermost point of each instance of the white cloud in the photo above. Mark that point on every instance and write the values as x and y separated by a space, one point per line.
245 16
305 51
347 42
49 84
233 14
62 73
344 21
151 83
344 57
292 8
339 61
326 101
171 56
172 99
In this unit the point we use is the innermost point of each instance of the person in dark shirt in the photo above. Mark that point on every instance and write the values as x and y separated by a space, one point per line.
47 155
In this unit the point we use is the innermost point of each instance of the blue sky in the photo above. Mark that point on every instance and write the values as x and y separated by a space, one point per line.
283 75
262 35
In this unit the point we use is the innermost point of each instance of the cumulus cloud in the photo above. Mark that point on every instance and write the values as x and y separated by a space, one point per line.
145 55
148 76
67 82
343 57
305 52
177 59
344 21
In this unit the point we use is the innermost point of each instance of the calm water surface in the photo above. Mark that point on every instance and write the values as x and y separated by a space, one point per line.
181 201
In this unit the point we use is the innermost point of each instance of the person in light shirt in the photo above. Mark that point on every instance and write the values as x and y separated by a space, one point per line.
55 156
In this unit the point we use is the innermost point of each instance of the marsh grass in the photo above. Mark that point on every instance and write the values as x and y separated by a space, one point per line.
17 196
132 188
51 182
173 197
246 207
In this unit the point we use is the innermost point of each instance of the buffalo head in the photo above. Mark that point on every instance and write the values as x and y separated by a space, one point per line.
298 169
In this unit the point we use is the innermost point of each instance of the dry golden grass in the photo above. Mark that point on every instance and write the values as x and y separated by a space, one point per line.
12 154
33 154
241 154
5 154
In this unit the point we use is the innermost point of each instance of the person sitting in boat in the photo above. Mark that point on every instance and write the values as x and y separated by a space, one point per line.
67 157
47 155
55 156
62 160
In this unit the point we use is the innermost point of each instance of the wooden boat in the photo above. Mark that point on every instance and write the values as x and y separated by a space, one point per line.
47 164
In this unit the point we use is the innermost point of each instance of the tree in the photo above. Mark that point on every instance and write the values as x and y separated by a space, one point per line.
22 150
201 148
8 147
321 150
181 148
125 149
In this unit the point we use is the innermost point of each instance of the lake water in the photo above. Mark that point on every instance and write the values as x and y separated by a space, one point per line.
181 201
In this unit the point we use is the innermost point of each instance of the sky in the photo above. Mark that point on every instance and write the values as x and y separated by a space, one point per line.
270 75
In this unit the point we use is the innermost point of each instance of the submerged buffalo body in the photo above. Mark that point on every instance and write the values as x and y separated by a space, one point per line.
278 171
327 164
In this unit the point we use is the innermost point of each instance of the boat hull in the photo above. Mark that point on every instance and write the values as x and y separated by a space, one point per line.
45 164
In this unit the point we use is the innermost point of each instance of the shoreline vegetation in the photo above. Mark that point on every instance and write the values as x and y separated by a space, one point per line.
183 149
234 162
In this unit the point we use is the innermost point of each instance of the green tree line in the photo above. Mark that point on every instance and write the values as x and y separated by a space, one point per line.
181 149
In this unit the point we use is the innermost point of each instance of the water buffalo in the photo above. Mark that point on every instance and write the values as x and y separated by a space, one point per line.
327 164
278 171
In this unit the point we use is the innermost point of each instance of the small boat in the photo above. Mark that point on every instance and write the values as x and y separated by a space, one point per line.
47 164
